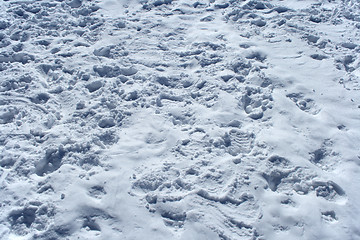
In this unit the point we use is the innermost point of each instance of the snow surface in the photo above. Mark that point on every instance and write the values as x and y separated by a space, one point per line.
179 119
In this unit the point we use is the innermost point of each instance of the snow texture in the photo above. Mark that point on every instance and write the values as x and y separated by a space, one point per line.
179 119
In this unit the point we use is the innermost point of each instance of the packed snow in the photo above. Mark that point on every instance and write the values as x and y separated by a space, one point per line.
180 119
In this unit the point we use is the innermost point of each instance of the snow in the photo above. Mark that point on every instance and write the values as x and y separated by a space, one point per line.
179 119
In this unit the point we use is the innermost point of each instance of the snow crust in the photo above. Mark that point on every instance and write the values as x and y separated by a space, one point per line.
179 119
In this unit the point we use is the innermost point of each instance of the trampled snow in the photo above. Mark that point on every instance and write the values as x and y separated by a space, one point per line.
179 119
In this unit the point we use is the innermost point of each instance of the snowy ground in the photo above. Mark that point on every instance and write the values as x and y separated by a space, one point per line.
179 119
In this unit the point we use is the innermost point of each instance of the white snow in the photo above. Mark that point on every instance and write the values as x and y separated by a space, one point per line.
179 119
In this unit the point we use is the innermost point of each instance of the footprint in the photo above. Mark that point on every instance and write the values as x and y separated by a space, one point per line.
328 190
329 216
7 115
90 223
235 142
97 191
34 215
172 217
51 161
238 142
255 102
325 155
304 104
150 182
24 216
279 161
274 178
